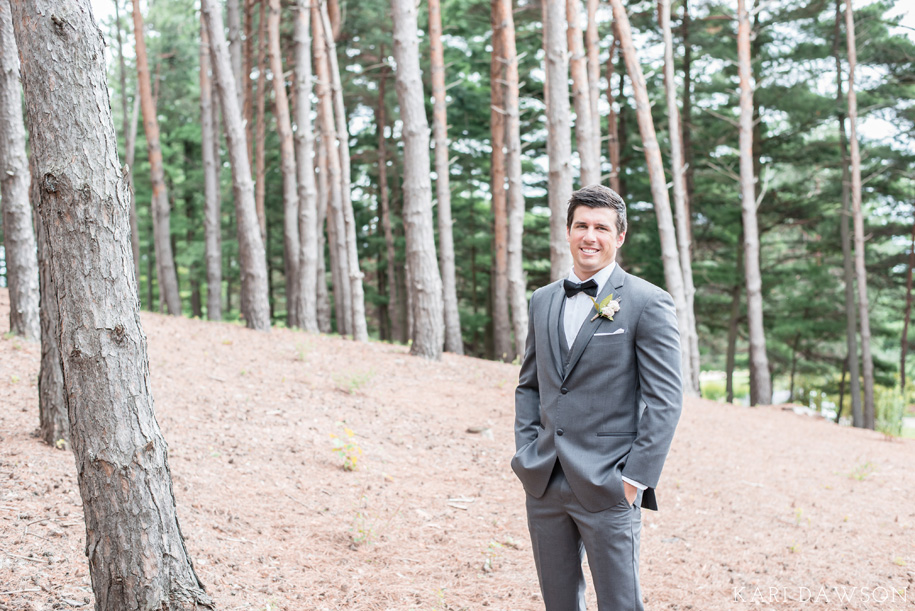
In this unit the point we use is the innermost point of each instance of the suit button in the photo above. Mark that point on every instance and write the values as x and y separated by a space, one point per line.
564 390
559 432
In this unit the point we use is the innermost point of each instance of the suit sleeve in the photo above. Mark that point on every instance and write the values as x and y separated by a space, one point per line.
527 395
657 351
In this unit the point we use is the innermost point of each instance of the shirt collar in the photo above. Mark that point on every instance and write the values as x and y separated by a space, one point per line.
600 277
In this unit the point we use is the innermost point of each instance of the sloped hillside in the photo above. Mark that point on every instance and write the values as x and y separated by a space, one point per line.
432 517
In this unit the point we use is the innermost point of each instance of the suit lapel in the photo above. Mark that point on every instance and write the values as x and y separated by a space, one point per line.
553 322
589 327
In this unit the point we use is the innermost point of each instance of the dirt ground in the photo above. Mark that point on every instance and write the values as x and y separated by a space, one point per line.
760 507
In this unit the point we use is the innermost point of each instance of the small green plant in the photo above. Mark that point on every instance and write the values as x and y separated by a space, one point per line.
794 548
350 383
491 554
14 379
798 515
862 471
890 404
345 447
363 530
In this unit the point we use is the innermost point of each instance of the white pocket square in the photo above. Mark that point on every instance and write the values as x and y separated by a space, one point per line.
617 332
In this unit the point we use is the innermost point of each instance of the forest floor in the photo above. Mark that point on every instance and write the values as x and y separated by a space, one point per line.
760 507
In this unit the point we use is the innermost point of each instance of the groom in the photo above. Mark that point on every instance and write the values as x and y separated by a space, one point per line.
597 402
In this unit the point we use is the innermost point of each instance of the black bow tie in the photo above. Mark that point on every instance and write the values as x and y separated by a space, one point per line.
588 287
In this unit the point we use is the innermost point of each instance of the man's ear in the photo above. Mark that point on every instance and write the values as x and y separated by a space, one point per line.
622 238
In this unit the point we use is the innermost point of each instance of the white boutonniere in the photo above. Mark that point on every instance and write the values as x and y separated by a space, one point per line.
606 308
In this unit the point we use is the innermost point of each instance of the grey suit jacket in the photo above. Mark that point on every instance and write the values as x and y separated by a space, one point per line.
612 407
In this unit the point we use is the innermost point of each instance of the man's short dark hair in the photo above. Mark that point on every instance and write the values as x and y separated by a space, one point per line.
598 196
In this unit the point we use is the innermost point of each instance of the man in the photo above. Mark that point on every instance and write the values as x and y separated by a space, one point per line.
598 399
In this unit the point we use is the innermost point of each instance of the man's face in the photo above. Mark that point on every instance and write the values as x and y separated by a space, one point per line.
593 240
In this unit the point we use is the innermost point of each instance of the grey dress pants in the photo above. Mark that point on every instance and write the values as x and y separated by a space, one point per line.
562 531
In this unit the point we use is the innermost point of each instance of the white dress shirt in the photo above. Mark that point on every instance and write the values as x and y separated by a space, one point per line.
576 309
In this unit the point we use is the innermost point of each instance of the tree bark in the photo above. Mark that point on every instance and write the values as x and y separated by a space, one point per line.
165 260
323 306
559 139
424 283
681 199
251 255
260 130
292 265
760 378
673 272
858 217
686 121
137 556
18 235
354 274
613 139
53 420
245 84
515 206
501 322
333 188
733 326
394 308
130 134
592 44
212 225
233 21
581 95
343 298
908 314
454 342
851 321
307 191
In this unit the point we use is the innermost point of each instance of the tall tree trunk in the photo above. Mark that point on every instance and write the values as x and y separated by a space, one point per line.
851 321
592 44
291 261
858 217
251 255
673 272
129 159
165 260
53 420
323 306
908 314
18 235
622 128
733 325
517 285
137 557
681 199
397 328
212 216
354 273
501 322
260 134
245 84
454 342
307 191
613 138
559 140
424 283
130 135
686 121
336 224
233 21
797 339
760 378
581 95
